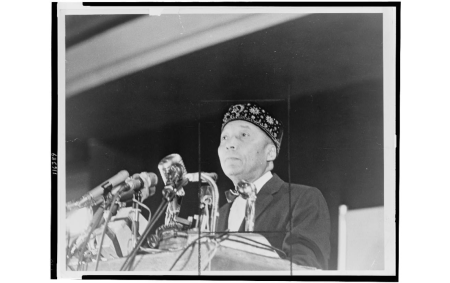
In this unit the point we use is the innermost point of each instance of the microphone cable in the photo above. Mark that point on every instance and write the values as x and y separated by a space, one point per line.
144 206
269 247
262 246
129 261
211 256
215 237
186 248
94 223
104 230
218 240
116 195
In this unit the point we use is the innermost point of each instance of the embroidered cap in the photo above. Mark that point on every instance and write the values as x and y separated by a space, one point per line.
256 115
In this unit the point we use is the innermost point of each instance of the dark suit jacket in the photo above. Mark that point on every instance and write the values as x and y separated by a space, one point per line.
306 238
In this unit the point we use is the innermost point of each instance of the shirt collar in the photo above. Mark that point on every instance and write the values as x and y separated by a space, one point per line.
262 180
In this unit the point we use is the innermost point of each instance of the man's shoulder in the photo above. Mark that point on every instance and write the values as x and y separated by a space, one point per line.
303 196
291 185
299 186
300 189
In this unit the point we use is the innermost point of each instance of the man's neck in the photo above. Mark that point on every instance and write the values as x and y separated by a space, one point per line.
236 179
262 180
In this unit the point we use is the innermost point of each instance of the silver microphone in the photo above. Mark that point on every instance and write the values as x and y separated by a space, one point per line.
93 197
173 173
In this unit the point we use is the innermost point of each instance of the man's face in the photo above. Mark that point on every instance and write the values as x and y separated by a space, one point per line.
243 151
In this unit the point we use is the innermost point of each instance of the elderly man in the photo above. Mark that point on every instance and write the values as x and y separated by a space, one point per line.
294 218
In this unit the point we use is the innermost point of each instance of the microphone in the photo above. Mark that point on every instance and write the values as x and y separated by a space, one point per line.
90 198
145 182
145 193
194 177
128 196
142 180
173 172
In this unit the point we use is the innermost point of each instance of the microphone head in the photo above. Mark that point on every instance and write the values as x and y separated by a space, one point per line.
108 185
117 179
152 190
145 180
145 193
172 170
150 181
153 179
214 176
126 196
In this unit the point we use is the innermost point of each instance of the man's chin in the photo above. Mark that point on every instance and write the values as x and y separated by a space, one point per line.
232 173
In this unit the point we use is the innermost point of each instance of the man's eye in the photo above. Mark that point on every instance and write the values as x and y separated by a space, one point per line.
245 135
224 138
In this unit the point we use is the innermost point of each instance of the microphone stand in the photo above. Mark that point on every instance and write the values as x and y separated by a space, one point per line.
88 201
136 196
108 214
204 218
130 259
174 206
98 216
214 199
169 196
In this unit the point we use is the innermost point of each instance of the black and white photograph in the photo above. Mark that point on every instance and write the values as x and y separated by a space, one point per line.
206 140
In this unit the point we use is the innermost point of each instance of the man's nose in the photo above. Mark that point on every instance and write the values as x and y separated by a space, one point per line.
231 144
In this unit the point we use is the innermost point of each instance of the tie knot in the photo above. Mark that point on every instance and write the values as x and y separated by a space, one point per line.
243 188
246 188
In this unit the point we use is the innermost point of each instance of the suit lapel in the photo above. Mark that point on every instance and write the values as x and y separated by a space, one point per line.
265 195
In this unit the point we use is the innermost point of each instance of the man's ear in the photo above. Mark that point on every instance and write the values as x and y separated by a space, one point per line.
272 152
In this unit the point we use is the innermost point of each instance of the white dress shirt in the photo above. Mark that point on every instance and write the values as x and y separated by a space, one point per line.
237 210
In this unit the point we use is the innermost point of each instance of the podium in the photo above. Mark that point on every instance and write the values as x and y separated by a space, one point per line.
198 257
225 259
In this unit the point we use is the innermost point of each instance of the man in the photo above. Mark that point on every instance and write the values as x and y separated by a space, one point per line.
294 218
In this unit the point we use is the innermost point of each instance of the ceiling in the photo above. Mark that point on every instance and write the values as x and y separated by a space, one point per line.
81 28
143 42
296 56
